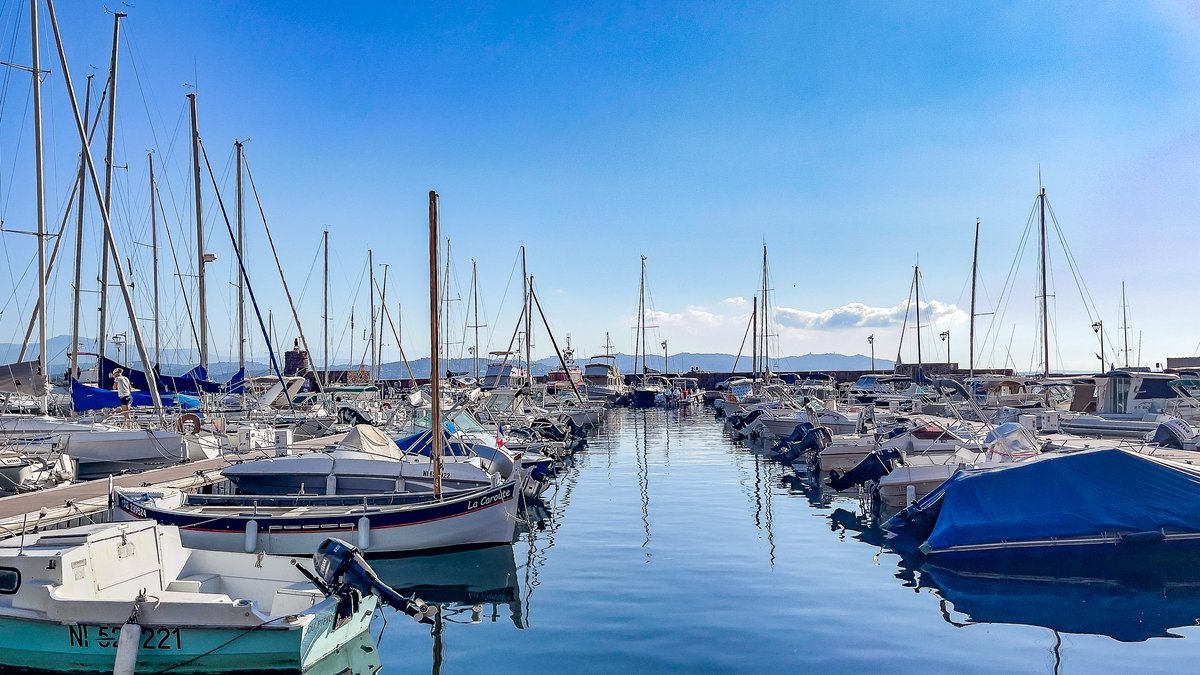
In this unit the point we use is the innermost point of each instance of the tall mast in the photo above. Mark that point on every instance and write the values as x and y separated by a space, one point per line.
200 257
917 285
528 319
766 328
435 428
81 128
325 315
352 352
241 245
382 310
974 273
446 300
371 285
154 255
754 341
74 370
475 301
642 314
102 331
1045 293
1125 322
43 362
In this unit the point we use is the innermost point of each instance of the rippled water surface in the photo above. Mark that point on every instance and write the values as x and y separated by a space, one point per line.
668 547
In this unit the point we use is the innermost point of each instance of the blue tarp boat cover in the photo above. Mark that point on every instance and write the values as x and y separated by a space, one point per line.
418 444
1056 496
85 398
193 382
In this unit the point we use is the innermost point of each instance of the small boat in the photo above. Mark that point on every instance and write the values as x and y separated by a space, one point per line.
291 525
120 597
1073 504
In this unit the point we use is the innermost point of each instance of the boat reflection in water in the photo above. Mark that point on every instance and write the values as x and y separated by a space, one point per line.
485 578
359 656
1131 597
1131 601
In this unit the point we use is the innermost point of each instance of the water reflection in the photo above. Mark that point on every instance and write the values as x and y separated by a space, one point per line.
359 656
485 578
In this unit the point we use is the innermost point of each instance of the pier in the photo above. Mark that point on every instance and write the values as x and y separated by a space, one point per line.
83 502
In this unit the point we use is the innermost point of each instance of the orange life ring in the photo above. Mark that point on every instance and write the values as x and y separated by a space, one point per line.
188 423
731 398
386 406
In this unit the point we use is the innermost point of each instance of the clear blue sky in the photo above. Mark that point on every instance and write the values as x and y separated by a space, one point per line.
850 137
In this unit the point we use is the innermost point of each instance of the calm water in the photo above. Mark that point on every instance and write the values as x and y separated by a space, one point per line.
667 547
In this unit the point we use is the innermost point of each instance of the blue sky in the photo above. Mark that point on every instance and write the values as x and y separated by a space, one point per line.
852 138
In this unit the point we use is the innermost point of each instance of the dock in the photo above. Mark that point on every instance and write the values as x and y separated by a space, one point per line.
86 502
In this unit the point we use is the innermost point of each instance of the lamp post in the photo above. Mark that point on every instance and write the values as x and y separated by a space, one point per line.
118 341
664 346
871 341
1098 327
945 335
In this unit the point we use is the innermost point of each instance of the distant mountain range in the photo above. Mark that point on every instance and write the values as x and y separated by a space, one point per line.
176 362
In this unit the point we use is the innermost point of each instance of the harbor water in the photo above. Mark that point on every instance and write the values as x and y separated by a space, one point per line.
666 546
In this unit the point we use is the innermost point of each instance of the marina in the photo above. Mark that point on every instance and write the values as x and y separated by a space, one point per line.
356 416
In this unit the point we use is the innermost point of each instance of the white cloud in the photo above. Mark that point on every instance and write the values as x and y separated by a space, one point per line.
860 315
736 301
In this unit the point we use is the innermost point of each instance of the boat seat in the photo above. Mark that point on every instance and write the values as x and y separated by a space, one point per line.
295 599
196 583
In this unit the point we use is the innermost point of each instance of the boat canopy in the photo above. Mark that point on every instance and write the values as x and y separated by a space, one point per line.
1052 498
24 377
195 381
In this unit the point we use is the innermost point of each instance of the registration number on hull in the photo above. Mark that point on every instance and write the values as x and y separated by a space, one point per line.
83 636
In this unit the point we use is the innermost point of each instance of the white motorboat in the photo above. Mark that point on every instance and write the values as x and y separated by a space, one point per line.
120 597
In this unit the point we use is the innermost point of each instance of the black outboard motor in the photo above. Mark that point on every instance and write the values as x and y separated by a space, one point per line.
814 440
1174 433
341 568
873 467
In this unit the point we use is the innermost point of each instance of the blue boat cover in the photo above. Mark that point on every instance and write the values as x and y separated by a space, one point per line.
194 382
85 398
1060 496
419 444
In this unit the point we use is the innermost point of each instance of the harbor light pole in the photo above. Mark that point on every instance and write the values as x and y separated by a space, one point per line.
945 335
664 346
871 341
1098 327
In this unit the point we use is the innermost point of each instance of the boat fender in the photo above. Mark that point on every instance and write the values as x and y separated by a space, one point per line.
364 533
128 642
251 542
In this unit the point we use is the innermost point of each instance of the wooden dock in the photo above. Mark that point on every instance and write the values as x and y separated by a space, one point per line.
82 501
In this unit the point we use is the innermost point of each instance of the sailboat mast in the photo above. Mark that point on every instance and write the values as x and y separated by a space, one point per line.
154 255
446 300
435 428
475 301
371 294
766 329
40 197
325 313
102 331
974 273
754 342
382 311
917 285
74 355
241 245
1125 322
528 319
1045 293
200 258
642 313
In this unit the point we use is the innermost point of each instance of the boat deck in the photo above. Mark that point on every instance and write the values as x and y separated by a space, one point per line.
24 512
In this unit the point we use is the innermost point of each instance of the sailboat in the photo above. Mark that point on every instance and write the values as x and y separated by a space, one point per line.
650 387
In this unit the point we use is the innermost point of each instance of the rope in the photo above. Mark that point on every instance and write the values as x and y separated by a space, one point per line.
223 645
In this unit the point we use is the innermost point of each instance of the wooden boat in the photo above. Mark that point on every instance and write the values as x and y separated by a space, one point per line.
291 525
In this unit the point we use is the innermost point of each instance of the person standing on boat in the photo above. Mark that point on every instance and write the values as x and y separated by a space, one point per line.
124 392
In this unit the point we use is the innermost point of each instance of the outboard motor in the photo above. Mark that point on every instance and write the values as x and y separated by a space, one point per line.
873 467
1174 433
340 568
814 440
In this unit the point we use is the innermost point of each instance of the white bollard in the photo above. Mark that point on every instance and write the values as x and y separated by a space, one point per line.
910 494
331 484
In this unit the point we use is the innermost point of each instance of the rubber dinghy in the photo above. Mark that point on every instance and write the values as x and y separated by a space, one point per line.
130 597
1083 503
